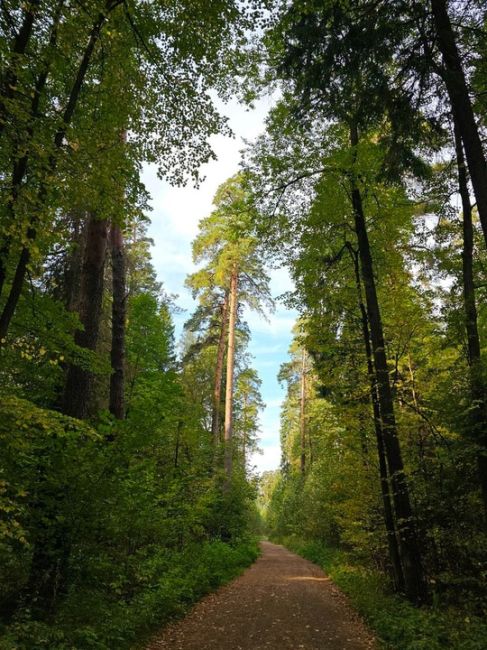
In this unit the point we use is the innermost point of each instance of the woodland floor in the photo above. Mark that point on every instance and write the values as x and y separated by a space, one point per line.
281 602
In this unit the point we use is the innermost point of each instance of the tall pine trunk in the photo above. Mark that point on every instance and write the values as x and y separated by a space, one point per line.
302 414
414 581
117 353
217 383
389 521
478 413
77 391
456 85
232 326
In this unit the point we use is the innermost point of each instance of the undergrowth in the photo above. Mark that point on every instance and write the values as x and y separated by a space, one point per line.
169 583
398 624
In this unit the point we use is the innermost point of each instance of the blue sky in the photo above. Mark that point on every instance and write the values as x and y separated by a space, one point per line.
175 217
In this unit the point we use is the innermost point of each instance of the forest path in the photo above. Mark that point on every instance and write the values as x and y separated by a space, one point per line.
281 602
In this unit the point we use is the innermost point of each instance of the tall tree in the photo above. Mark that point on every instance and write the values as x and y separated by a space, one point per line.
79 379
453 74
229 384
233 264
119 299
139 32
478 414
220 358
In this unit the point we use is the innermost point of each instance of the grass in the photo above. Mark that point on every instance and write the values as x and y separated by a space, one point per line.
397 623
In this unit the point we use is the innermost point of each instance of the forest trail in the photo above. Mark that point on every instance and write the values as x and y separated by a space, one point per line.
281 602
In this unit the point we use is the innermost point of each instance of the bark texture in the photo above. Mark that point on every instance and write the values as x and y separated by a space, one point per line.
77 392
117 354
217 384
232 323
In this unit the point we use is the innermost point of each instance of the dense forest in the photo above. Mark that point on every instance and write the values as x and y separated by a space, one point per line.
127 488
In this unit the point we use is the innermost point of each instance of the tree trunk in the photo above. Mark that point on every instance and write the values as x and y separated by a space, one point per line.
244 430
456 85
232 323
302 414
478 414
79 379
117 354
217 385
390 524
415 586
72 269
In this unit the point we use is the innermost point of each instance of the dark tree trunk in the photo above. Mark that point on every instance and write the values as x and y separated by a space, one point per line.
456 85
217 384
42 195
415 586
232 325
478 414
72 270
302 415
79 379
389 521
117 355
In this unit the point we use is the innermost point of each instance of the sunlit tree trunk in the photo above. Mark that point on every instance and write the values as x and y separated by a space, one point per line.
232 322
217 385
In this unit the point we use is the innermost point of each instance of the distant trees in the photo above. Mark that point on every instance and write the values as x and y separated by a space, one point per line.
235 271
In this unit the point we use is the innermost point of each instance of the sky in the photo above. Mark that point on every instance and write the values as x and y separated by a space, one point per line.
175 217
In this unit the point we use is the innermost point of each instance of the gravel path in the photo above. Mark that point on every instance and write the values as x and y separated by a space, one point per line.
281 602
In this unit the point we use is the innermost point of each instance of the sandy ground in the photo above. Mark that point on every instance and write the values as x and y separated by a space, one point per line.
281 602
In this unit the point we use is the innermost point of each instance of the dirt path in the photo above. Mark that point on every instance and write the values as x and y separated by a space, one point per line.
281 602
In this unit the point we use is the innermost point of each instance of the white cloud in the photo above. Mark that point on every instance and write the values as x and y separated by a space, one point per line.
268 460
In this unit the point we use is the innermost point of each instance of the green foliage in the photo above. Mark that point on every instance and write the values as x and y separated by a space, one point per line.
165 583
144 544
